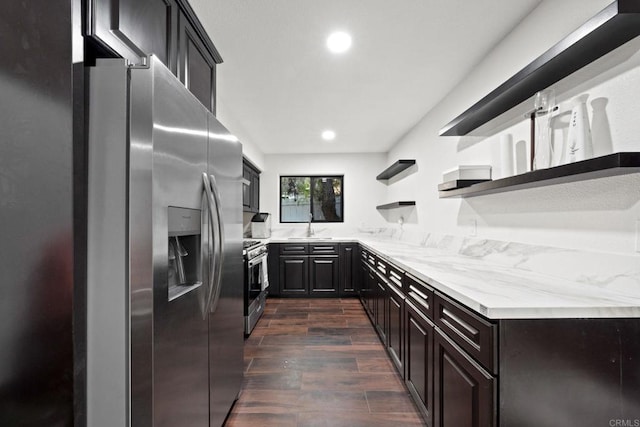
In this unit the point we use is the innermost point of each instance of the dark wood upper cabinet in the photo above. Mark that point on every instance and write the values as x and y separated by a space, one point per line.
168 29
134 29
250 187
196 65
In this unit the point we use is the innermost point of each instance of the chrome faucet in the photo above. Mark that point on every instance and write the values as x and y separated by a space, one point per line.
309 229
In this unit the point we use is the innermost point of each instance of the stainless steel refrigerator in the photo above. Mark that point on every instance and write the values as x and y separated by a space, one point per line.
164 292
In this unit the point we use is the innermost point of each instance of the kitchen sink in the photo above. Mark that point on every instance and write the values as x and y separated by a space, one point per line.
309 238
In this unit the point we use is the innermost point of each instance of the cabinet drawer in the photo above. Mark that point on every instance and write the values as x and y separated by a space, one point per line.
294 248
323 248
369 258
421 294
468 330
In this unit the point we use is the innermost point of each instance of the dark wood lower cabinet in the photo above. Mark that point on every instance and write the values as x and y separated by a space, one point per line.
294 275
578 372
366 290
380 308
395 335
313 269
456 362
349 283
464 393
419 360
323 275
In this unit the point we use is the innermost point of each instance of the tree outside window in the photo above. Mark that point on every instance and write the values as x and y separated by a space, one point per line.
321 196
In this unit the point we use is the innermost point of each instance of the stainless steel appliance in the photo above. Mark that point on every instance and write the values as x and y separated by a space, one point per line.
256 282
164 292
38 259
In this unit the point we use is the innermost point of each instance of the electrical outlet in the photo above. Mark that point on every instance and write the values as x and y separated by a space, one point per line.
637 235
473 227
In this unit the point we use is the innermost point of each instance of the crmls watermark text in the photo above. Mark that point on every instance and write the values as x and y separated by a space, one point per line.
624 423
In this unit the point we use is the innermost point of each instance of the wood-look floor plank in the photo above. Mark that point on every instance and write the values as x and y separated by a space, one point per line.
288 401
352 381
389 401
280 330
331 331
319 363
324 419
244 419
291 380
331 322
328 366
298 340
375 365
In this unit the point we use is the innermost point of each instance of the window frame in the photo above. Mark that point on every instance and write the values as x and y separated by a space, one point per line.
311 201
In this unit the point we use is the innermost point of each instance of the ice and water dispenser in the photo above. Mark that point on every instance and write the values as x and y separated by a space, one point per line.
185 246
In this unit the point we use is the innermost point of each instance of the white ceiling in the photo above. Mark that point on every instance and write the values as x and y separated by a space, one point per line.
284 87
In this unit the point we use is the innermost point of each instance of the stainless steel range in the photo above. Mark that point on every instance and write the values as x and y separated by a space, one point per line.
256 282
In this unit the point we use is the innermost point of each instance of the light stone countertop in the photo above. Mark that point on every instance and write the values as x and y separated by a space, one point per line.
503 280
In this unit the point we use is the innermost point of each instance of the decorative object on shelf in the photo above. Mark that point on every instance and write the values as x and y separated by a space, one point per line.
459 183
578 145
507 163
597 167
520 150
600 127
609 29
466 172
395 169
541 148
464 176
395 205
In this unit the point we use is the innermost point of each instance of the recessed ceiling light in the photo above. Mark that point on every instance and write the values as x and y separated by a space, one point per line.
339 42
328 135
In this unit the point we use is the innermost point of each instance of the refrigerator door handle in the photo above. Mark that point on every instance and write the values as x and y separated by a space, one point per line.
218 246
214 258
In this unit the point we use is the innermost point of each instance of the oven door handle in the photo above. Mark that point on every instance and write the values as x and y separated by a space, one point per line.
257 260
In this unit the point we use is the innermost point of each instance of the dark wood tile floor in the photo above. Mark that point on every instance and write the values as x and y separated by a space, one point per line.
317 363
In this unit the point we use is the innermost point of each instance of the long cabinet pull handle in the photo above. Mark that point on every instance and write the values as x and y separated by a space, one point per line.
417 292
472 332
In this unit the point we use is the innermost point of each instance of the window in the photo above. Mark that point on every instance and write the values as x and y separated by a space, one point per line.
301 196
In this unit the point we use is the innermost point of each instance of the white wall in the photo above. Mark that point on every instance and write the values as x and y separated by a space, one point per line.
250 144
361 190
596 215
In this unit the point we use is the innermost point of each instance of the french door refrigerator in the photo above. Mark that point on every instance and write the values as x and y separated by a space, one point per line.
164 292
